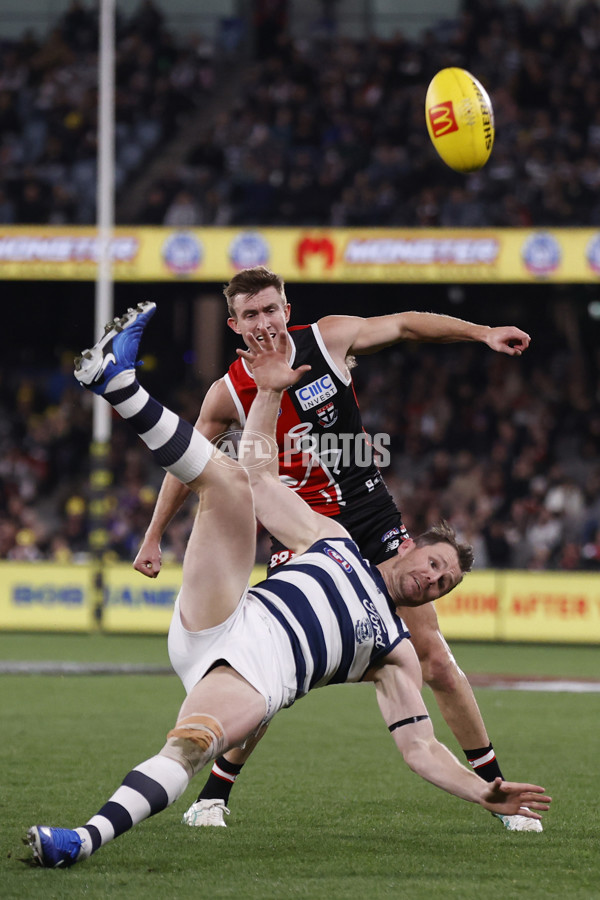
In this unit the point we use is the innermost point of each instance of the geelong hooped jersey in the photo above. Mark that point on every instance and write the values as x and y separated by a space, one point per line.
324 453
335 611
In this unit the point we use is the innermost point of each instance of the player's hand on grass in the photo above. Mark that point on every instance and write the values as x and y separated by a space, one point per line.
508 339
149 558
267 359
511 798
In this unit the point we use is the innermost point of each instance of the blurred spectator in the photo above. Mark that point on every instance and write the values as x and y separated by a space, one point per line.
8 211
183 212
153 213
270 22
507 450
33 207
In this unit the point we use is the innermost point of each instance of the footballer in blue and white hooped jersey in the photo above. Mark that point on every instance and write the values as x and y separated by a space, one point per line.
336 613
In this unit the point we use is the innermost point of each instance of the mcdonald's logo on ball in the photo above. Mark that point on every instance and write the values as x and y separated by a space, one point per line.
460 119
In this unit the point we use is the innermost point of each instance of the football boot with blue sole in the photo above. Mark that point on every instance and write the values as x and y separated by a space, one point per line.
116 351
54 848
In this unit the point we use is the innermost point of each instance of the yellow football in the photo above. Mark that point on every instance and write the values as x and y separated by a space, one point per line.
460 119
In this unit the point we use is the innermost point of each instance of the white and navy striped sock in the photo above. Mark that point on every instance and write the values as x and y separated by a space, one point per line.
149 788
175 444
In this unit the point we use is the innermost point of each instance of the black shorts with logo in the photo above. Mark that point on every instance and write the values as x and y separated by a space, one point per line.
375 523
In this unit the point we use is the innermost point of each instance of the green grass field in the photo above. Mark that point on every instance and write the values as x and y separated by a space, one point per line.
325 808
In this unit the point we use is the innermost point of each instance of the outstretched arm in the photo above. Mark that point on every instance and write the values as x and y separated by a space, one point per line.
397 686
216 416
282 512
171 498
345 335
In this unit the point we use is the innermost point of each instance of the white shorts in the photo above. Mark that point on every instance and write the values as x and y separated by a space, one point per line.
250 641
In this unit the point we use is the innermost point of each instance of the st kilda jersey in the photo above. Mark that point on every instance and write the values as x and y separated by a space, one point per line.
324 453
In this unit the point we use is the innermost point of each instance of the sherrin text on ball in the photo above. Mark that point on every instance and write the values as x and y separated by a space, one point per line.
460 119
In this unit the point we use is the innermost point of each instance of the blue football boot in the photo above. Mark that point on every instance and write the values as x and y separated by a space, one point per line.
116 351
54 848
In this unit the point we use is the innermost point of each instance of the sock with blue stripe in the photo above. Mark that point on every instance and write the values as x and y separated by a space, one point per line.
149 788
175 444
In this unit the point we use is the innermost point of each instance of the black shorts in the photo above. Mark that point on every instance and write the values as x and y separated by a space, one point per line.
375 523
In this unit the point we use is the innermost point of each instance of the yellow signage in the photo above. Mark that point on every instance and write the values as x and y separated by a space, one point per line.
551 607
307 254
134 603
470 611
45 597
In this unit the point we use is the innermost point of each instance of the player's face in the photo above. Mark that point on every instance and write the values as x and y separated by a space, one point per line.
265 311
425 573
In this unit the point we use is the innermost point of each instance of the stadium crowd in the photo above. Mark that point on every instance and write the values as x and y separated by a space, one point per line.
325 130
328 131
48 109
508 452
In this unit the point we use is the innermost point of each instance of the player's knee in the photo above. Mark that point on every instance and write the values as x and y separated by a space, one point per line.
195 741
228 476
235 476
238 486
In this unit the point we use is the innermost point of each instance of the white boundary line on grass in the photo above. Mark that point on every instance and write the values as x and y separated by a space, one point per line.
24 667
550 686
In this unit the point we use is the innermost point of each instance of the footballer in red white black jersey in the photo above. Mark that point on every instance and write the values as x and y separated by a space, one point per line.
324 453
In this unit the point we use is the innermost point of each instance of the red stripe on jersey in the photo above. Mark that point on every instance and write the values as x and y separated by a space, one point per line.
356 400
299 470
